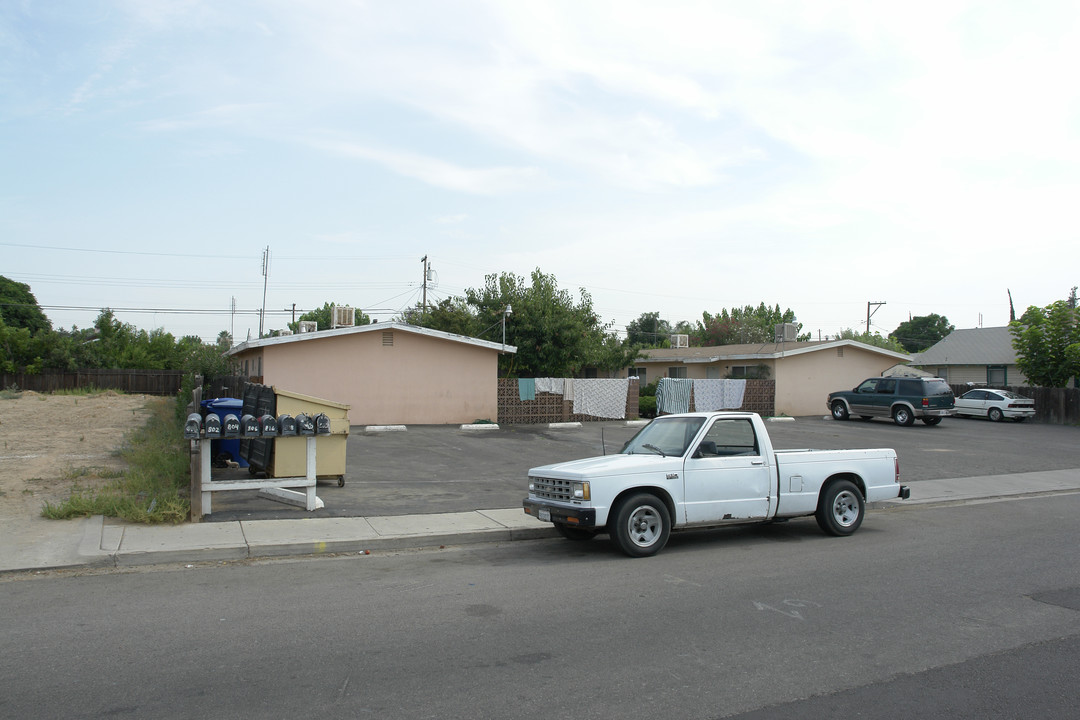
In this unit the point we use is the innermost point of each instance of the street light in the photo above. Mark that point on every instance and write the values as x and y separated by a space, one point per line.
506 312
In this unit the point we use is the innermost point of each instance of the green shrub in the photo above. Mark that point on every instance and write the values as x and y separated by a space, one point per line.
646 406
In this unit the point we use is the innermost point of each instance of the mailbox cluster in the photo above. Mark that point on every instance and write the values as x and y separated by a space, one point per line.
213 428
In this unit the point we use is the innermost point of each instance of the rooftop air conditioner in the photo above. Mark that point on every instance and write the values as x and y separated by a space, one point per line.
785 332
307 326
286 332
680 341
342 316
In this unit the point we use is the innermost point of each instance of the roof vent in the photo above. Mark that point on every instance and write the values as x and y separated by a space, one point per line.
680 341
308 326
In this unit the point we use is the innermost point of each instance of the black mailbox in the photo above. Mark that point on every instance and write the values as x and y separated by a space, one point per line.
268 424
304 424
212 426
230 426
249 426
286 425
192 426
322 424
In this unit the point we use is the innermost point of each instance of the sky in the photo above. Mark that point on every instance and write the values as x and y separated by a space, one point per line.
671 157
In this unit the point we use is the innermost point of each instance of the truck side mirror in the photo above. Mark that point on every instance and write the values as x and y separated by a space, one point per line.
192 426
286 425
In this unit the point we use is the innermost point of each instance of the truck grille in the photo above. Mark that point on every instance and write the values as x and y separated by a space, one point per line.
550 489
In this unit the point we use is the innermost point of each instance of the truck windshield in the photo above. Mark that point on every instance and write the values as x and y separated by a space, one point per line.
665 436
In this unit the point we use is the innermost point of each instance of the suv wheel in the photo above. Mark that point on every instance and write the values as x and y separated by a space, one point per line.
839 411
901 415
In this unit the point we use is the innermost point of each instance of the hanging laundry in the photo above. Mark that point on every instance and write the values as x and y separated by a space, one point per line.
526 388
673 395
601 397
712 395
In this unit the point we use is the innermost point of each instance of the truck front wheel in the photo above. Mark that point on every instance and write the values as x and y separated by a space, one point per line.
840 510
641 525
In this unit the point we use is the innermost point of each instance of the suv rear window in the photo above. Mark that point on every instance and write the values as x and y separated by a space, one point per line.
937 387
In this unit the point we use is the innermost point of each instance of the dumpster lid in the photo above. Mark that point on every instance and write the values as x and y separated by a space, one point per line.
310 399
223 404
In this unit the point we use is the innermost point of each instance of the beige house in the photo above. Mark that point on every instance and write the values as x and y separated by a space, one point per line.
804 372
389 373
977 356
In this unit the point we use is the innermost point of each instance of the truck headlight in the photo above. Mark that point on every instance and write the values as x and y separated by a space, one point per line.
580 491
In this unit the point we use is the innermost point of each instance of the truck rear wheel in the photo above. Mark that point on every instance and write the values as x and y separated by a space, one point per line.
841 508
640 525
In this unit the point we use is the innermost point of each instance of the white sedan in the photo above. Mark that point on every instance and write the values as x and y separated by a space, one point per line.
996 405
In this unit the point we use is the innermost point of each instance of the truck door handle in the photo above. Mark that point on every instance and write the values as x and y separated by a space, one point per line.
757 462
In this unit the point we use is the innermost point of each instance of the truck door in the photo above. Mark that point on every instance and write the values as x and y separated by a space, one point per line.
726 477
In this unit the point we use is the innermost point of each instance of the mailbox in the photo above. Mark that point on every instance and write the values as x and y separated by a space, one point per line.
249 426
268 424
230 426
212 426
286 425
304 424
192 426
322 424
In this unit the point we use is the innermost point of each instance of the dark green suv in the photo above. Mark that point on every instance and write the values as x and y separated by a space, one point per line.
902 399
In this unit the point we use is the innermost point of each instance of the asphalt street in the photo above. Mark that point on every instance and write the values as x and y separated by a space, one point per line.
968 611
441 468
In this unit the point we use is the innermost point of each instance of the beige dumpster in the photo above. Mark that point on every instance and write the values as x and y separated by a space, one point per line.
290 453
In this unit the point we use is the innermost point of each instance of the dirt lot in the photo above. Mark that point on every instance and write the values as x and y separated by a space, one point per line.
50 443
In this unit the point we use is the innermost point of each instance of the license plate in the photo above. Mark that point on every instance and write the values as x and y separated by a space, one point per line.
543 514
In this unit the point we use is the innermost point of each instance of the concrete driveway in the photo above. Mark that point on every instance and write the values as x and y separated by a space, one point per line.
443 469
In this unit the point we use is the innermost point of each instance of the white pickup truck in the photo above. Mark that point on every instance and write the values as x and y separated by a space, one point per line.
710 469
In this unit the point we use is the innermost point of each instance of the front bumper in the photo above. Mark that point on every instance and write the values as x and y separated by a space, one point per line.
577 517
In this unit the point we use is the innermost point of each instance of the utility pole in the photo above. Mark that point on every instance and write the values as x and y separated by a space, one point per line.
427 274
870 314
265 274
232 322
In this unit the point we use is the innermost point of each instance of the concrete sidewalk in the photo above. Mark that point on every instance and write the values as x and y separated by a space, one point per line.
92 542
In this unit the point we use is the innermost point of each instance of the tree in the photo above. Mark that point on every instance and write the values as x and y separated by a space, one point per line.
871 339
1047 344
555 335
920 332
323 317
742 325
19 308
648 330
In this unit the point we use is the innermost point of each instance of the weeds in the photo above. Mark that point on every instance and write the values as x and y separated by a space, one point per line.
154 488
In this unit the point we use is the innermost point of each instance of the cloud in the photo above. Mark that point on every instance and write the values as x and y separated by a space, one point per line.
437 172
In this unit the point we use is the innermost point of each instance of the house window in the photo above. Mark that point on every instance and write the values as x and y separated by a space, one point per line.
260 366
712 373
676 372
943 373
995 375
748 372
639 373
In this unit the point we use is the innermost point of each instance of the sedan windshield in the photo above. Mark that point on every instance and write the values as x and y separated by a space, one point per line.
665 436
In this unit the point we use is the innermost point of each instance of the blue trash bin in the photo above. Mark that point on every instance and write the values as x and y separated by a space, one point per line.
222 407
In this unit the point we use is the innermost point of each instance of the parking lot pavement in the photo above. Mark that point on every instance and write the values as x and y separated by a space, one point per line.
444 469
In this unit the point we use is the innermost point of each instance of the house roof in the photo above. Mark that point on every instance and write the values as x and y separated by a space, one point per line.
758 351
373 327
975 346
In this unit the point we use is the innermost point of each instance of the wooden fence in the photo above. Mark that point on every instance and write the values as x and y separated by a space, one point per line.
1054 406
144 382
